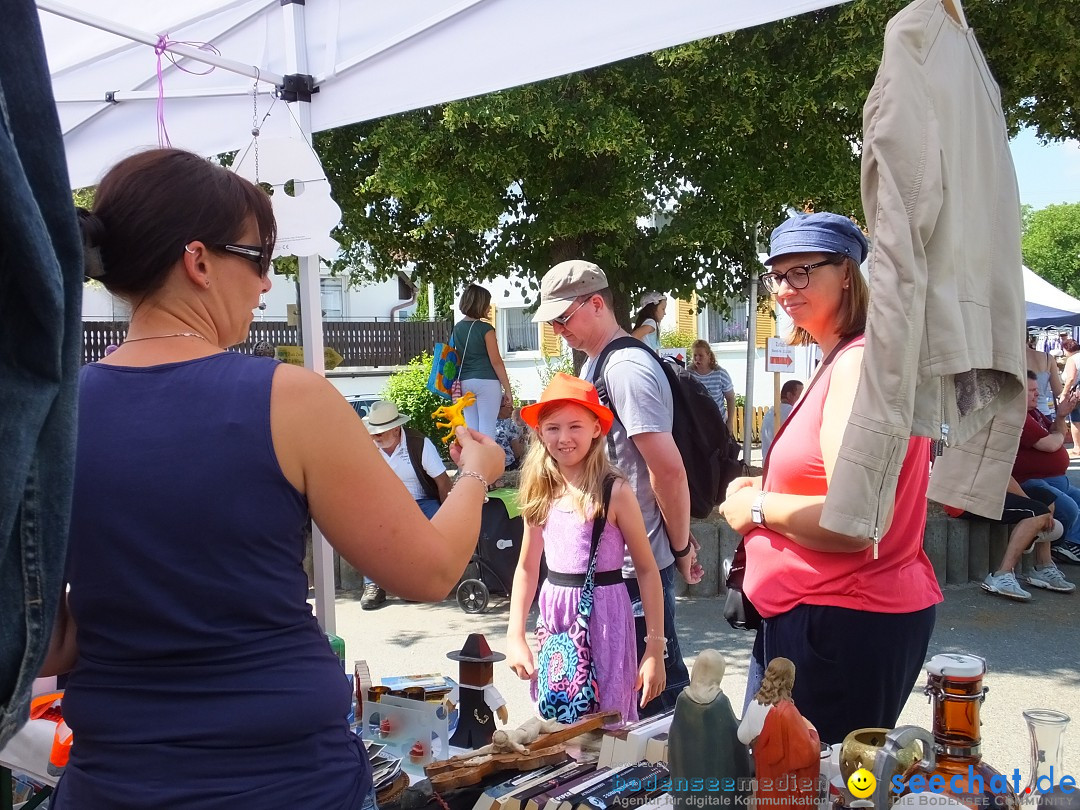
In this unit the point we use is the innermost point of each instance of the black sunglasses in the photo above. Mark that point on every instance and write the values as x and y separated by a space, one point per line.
253 253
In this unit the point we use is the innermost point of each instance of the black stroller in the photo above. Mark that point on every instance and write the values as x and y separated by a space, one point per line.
491 569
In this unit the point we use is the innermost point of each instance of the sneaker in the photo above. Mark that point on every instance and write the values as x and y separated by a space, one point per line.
1005 585
373 597
1066 551
1049 577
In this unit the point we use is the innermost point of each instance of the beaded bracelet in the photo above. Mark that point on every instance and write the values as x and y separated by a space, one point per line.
463 474
655 638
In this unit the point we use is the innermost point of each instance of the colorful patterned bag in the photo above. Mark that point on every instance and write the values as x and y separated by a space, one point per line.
444 370
565 673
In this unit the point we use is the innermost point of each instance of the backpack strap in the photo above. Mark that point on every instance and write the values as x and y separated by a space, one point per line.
414 445
624 342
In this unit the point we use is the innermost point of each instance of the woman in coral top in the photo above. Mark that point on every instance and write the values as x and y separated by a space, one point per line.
854 614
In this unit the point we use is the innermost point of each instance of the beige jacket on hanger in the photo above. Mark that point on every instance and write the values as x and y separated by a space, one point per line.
944 353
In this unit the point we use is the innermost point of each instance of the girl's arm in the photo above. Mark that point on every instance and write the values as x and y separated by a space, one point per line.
327 454
518 653
798 517
644 330
495 357
626 515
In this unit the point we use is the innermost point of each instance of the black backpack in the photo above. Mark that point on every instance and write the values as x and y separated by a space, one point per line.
709 452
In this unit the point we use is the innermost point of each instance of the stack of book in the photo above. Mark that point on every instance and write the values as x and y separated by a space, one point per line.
434 684
580 786
630 743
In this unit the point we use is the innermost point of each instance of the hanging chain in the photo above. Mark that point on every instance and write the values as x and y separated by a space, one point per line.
255 121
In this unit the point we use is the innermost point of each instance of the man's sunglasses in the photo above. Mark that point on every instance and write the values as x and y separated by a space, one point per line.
564 319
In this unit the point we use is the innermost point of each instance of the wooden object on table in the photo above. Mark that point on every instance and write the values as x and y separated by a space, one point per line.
392 791
464 770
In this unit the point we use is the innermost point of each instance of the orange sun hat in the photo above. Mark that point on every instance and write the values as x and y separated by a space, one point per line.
567 388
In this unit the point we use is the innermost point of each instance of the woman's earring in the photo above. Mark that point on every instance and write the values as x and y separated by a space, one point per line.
189 250
262 301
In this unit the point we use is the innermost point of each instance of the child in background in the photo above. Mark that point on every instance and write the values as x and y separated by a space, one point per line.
561 494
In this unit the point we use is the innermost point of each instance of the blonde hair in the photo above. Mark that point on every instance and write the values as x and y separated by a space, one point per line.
542 481
777 683
851 319
704 346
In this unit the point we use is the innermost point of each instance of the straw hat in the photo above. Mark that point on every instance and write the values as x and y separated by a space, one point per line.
567 388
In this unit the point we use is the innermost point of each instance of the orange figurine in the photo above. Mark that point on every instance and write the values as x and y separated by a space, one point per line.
453 415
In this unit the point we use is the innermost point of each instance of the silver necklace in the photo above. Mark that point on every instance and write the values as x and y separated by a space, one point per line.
172 335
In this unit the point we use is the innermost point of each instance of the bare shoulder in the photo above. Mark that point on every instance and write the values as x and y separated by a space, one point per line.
849 361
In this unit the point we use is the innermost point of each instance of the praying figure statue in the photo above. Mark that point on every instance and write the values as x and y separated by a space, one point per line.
703 741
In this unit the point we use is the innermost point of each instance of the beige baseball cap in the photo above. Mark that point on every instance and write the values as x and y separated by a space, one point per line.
563 283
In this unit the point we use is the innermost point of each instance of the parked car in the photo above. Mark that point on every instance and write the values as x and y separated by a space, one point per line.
362 404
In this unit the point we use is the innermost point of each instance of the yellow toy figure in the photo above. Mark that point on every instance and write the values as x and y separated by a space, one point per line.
453 415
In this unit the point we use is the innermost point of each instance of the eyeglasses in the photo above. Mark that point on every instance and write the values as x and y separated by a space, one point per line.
253 253
796 277
564 319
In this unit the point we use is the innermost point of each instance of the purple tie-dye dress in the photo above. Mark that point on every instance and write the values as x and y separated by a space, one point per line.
611 628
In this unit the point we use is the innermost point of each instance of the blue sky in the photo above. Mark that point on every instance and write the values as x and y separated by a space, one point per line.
1047 174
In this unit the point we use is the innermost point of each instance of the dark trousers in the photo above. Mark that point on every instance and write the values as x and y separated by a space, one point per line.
674 667
853 669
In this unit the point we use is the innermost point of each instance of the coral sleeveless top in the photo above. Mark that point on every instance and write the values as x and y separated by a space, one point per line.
781 574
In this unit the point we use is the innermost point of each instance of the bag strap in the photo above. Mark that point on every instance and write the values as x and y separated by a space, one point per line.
468 335
599 522
813 381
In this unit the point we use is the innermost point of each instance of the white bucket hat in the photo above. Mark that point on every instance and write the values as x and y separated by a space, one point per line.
383 416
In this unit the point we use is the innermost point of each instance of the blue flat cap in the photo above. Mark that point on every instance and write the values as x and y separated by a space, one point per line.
818 233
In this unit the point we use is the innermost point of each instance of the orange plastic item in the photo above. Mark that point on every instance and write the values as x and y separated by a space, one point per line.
453 415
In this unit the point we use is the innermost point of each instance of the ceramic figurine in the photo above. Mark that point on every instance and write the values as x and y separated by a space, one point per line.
476 694
703 739
787 750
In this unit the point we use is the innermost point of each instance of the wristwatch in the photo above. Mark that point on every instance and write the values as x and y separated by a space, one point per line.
757 512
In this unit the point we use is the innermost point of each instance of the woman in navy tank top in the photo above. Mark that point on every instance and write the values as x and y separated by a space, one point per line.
199 677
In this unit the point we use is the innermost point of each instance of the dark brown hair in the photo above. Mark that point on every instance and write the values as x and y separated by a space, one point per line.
475 302
647 312
150 205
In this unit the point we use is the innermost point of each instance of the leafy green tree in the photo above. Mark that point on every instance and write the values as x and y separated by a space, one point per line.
668 169
1051 245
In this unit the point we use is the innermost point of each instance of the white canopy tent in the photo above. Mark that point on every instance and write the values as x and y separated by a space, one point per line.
336 62
1047 306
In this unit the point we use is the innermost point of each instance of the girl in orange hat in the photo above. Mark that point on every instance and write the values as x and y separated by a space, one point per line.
563 482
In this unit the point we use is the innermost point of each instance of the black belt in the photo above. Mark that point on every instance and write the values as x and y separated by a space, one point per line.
578 580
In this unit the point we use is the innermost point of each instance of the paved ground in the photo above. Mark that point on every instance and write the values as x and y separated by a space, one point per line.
1032 652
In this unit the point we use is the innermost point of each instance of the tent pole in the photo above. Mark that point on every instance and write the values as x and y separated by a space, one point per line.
251 71
311 305
751 360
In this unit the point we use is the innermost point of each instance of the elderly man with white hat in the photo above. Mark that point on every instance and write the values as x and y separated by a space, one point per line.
413 458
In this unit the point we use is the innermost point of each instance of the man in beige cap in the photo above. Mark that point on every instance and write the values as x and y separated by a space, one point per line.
576 300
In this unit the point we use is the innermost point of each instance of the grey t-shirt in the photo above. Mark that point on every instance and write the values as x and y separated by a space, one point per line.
642 398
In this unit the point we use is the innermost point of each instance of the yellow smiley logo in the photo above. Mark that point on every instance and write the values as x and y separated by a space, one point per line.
861 784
